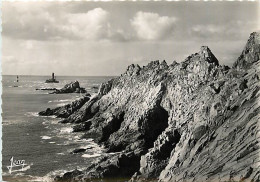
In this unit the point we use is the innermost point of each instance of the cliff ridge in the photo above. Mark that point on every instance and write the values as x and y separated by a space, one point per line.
191 121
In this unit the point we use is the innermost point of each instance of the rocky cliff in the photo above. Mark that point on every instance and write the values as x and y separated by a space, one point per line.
191 121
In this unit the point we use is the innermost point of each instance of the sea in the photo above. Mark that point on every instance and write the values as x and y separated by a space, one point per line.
41 145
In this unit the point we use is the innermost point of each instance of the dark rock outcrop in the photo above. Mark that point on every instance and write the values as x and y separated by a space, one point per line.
80 150
251 52
68 176
67 110
72 87
189 121
84 126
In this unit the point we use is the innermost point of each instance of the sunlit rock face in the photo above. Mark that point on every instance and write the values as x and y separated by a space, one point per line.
189 121
251 52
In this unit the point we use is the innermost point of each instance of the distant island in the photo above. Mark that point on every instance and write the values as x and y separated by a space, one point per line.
52 80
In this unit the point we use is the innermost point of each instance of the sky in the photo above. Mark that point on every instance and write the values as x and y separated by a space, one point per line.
102 38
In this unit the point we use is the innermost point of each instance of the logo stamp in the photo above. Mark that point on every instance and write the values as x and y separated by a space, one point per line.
15 163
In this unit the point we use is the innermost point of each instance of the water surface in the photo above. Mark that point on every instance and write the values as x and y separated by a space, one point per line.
42 142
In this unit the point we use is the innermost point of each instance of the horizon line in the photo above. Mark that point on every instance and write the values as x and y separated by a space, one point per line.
61 75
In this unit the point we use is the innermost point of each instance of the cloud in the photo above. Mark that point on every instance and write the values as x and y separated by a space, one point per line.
232 30
28 25
41 24
151 26
91 25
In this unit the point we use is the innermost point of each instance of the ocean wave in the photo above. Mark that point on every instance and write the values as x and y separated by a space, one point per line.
15 86
49 177
45 137
53 117
6 122
60 154
41 179
92 150
22 169
90 155
66 130
27 166
36 114
60 105
77 137
89 140
92 146
62 100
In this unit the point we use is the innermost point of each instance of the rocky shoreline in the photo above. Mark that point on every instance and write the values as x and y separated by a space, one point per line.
191 121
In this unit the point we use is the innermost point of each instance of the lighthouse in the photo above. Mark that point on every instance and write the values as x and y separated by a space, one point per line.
52 80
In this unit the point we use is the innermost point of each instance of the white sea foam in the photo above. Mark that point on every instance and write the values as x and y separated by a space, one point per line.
76 137
32 114
52 142
19 170
60 154
19 174
62 100
90 156
66 130
92 145
66 100
89 140
48 116
94 148
5 123
49 177
46 178
113 153
11 122
46 137
62 104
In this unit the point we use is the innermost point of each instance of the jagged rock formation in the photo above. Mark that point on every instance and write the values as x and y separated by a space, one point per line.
67 110
72 87
251 52
189 121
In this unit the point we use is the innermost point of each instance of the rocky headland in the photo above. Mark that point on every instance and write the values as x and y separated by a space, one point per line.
191 121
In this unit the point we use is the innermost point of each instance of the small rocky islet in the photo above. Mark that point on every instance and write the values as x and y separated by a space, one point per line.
72 87
191 121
